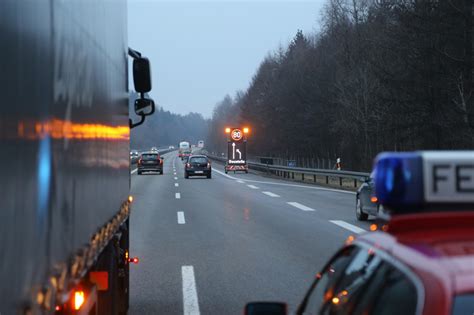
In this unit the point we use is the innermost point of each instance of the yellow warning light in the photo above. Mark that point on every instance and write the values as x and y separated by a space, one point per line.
79 299
227 130
130 198
373 227
246 130
335 300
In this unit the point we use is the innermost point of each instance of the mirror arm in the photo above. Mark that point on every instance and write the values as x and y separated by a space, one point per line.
133 125
133 53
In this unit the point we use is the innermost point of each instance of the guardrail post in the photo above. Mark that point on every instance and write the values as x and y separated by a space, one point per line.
355 183
327 179
302 176
340 181
314 178
292 175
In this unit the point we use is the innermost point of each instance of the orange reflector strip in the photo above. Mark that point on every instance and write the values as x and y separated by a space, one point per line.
79 299
100 279
373 227
374 199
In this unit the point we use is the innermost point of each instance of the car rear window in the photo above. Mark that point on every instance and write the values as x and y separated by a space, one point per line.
198 160
149 156
463 304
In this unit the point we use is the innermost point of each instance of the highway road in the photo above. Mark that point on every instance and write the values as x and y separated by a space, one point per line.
208 246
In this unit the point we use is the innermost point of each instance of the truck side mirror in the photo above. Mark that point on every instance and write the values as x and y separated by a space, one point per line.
142 75
265 308
144 106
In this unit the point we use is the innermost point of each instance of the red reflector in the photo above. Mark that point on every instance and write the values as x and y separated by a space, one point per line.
101 279
57 308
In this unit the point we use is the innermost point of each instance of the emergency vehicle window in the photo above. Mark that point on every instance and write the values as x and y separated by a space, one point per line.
352 285
397 295
322 290
463 304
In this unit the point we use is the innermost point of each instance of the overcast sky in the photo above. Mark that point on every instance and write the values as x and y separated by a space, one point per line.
202 50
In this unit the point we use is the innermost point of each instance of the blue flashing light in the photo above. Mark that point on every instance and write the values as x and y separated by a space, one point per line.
399 179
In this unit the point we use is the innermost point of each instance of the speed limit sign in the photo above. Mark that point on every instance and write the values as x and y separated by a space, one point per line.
236 134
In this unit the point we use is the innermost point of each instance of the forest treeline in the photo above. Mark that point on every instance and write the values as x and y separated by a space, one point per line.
379 75
164 128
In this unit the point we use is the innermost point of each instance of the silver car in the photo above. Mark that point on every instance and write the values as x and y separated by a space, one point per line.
366 202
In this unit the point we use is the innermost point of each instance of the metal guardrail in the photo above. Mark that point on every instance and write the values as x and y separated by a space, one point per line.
289 172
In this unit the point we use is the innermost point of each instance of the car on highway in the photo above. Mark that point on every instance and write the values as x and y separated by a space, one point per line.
418 260
150 162
134 156
154 149
198 165
366 202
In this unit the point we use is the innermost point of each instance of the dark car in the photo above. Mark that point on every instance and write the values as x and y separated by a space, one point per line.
198 165
366 202
150 162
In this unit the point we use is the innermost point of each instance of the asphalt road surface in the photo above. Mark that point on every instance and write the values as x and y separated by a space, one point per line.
209 246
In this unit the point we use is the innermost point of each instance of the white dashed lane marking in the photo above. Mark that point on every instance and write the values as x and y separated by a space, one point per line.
176 185
348 226
252 186
190 297
177 196
268 193
300 206
181 219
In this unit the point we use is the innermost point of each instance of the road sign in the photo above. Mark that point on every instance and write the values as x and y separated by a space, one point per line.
236 134
236 152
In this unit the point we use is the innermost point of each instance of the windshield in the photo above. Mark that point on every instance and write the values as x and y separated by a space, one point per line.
197 160
149 157
463 304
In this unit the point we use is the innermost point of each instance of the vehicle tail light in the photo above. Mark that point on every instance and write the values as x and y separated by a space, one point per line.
79 299
208 165
374 199
140 161
134 260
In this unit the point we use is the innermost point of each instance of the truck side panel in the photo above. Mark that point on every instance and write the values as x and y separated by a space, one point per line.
64 136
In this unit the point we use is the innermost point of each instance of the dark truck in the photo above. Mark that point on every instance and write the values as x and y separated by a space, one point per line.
64 158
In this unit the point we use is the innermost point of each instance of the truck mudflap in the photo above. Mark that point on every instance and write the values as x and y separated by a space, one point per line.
236 168
70 280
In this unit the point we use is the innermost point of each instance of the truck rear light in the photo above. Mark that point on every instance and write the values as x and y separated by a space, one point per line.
134 260
79 299
374 199
100 279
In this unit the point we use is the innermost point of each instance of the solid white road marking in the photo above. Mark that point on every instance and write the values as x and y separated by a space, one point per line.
176 178
134 171
176 185
300 206
240 181
174 173
181 219
288 185
190 298
177 196
348 226
268 193
252 186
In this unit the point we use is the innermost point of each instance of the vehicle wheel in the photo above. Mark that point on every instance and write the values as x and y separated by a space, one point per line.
161 172
139 173
226 171
186 175
361 216
246 172
209 176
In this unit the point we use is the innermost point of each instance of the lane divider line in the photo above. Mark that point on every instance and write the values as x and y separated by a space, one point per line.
348 226
240 181
252 186
177 196
134 171
176 178
190 297
300 206
287 185
268 193
176 185
181 219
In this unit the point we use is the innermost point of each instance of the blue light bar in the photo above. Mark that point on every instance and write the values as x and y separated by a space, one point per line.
417 179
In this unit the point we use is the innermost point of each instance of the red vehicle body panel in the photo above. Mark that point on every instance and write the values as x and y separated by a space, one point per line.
438 247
